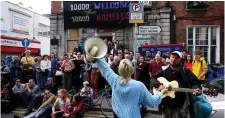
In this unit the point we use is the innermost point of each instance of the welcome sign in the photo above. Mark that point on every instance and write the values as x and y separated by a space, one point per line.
95 14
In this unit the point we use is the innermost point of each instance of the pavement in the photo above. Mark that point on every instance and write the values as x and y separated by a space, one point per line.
96 112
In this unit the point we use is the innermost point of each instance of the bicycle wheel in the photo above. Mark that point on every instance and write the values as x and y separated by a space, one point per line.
106 107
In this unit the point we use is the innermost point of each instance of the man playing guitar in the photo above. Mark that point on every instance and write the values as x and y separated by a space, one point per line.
171 107
27 61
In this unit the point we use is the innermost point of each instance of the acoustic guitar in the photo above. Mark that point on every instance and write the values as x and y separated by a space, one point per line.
173 87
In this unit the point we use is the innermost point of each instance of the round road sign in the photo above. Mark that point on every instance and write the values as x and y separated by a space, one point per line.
136 7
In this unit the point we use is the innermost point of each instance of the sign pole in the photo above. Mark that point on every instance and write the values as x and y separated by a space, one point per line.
134 50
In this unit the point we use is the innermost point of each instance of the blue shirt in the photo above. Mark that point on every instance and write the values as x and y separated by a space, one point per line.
127 98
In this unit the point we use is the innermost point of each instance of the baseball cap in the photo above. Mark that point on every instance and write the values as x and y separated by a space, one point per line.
177 53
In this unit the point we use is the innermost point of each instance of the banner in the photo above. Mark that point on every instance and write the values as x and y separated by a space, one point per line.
163 48
95 14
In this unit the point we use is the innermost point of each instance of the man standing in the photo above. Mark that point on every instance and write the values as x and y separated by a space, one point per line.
16 67
199 66
27 62
156 65
171 108
147 57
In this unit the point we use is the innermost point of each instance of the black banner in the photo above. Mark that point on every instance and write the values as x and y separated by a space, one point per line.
95 14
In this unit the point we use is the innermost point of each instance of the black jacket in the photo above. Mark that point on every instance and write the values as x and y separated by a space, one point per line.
187 80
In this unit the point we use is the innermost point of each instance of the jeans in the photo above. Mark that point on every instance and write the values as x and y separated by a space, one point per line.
40 112
40 80
67 80
35 100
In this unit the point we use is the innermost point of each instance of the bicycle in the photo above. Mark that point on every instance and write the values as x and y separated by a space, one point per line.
105 97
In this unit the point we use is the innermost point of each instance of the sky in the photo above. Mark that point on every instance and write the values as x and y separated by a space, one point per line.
38 6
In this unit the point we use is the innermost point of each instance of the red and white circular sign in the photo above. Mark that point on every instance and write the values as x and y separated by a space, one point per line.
136 7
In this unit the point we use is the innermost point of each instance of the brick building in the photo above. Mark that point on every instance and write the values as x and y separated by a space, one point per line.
201 27
192 27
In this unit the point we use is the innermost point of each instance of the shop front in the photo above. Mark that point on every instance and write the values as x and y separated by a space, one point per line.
12 46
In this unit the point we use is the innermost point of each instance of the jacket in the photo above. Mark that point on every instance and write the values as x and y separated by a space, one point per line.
46 101
189 80
199 66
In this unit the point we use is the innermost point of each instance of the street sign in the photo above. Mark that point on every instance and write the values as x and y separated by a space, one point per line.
136 13
25 42
149 29
143 36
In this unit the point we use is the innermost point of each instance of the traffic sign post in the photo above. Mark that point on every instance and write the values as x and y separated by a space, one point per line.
136 16
149 29
25 43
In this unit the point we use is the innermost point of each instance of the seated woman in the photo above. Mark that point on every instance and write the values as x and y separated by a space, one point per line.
60 103
7 104
75 108
47 102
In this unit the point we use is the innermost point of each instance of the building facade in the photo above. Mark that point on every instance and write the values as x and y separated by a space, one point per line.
18 23
193 28
200 25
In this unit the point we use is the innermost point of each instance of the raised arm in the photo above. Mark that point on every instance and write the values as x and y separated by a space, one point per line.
110 76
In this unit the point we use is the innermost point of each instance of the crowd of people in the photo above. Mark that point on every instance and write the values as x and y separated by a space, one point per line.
44 81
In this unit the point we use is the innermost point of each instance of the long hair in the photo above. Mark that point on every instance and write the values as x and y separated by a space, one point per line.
65 94
125 70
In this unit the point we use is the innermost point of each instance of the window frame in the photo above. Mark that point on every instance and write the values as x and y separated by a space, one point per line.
209 45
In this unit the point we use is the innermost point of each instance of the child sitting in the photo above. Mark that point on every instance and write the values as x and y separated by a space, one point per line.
86 93
75 108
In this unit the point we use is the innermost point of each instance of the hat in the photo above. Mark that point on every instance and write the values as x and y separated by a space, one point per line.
177 53
198 52
27 51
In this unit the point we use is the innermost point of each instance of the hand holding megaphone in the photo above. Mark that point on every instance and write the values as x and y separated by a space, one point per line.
94 48
93 51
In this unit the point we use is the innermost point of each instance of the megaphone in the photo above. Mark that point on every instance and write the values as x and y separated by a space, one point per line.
94 48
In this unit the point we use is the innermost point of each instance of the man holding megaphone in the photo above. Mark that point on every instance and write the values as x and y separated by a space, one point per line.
127 93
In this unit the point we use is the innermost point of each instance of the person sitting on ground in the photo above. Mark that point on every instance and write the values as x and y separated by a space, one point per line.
17 90
75 108
87 93
7 104
47 102
30 95
60 103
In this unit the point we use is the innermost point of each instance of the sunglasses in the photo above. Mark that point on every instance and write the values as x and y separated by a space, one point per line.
17 81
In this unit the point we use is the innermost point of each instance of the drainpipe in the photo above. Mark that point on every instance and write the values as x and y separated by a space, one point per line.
172 23
57 32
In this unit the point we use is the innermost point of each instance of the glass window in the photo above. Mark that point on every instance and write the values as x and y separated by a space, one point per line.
190 33
213 54
213 36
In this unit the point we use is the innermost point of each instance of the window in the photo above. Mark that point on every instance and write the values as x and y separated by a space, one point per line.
44 30
204 38
197 5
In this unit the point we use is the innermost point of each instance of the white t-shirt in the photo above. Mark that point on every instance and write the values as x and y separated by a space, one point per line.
61 104
87 93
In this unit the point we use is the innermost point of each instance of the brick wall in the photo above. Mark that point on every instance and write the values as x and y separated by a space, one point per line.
213 16
56 7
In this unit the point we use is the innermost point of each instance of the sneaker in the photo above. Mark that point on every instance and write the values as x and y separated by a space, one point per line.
28 111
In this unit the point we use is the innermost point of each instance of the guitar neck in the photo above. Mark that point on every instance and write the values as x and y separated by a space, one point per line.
187 90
